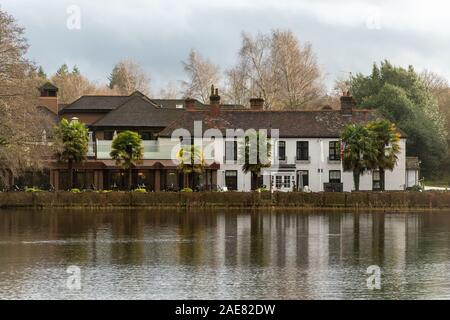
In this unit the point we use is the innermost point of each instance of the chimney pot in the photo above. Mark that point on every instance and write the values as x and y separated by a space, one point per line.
214 101
189 104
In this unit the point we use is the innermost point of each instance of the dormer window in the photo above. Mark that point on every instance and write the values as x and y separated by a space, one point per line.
48 90
51 93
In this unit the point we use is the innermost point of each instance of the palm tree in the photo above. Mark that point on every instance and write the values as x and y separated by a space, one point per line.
255 157
126 150
387 143
71 141
192 161
360 150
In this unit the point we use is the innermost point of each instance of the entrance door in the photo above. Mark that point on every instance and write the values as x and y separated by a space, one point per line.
302 179
256 182
231 180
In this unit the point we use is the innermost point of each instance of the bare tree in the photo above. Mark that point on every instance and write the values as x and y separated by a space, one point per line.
341 86
295 70
434 82
171 91
71 84
278 68
438 86
256 66
22 124
127 77
201 73
236 87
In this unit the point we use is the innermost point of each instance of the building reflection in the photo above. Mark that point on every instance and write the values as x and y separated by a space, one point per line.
309 253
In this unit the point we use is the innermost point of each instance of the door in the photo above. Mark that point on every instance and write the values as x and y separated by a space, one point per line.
302 179
231 180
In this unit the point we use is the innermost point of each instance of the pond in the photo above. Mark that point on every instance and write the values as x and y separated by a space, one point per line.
223 254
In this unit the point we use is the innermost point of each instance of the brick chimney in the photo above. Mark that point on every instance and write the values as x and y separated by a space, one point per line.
189 104
214 101
347 104
49 97
257 103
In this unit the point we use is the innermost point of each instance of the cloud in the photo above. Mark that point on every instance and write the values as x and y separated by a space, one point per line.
348 36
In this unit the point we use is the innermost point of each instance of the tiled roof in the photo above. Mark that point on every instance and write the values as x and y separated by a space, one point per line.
95 104
174 103
48 86
412 163
139 111
307 124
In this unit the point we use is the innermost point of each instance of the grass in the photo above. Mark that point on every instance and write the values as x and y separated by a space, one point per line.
442 180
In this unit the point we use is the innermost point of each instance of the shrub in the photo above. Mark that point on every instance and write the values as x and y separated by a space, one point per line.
75 190
186 190
33 189
141 190
414 188
103 191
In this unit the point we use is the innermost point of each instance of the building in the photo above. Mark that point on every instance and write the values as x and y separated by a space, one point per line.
305 150
412 172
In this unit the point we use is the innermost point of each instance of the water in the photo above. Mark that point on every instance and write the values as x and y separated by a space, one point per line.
137 254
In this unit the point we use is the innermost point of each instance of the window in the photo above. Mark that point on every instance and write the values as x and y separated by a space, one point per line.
287 181
108 135
231 150
231 179
278 182
335 176
302 178
302 150
335 150
376 180
282 150
145 135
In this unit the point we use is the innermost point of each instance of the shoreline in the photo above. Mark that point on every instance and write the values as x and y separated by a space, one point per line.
396 201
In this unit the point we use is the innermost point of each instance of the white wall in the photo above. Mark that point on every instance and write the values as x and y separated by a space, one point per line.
394 180
412 178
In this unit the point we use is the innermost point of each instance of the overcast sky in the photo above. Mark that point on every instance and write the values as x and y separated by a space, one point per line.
347 36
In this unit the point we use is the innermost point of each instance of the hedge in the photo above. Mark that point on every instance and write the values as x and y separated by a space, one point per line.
433 200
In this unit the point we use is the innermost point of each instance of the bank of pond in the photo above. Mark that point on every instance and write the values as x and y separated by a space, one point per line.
347 200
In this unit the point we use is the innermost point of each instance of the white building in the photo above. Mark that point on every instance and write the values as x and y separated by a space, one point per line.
305 144
305 152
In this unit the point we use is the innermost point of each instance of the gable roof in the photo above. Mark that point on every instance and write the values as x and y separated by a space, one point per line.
412 163
48 86
95 104
291 124
139 111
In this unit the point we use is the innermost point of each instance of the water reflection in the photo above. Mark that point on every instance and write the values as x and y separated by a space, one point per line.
223 254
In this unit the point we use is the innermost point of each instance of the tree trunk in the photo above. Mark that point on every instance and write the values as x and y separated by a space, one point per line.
356 180
192 182
70 169
129 178
254 180
382 177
